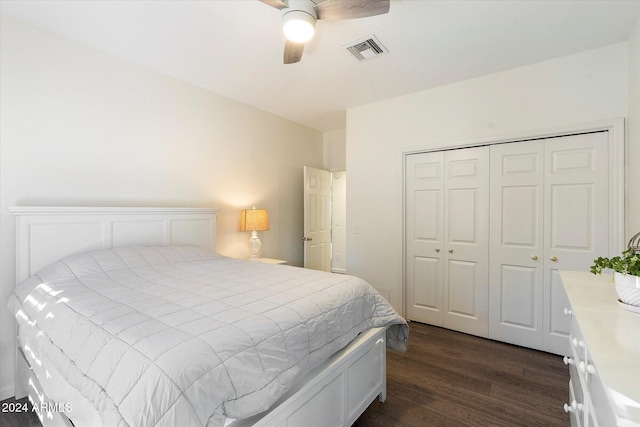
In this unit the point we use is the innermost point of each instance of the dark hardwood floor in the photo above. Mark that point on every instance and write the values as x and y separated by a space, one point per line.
447 378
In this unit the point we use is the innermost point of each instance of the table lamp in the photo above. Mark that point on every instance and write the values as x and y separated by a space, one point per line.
254 220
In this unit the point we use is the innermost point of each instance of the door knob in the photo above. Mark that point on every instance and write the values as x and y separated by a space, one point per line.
534 257
554 259
437 249
450 251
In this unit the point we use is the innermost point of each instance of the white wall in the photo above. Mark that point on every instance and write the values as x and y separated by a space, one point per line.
335 150
81 127
633 135
584 87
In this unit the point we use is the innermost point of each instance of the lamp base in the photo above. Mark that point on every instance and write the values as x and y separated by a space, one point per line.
254 245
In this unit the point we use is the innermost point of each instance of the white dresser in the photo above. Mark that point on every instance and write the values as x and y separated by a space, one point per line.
605 354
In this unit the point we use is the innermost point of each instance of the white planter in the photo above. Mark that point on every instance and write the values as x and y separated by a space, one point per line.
628 288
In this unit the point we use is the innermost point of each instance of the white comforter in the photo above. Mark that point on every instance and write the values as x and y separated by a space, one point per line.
165 336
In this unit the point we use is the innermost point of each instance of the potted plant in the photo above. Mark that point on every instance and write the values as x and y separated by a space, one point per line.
626 274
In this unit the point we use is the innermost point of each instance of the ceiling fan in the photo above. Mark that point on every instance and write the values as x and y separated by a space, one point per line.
299 18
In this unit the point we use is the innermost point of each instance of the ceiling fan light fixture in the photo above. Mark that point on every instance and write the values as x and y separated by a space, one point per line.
298 30
299 21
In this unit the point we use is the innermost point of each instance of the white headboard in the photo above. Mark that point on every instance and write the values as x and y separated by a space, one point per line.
46 234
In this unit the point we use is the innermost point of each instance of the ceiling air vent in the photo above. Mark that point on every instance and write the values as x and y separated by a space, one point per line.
366 48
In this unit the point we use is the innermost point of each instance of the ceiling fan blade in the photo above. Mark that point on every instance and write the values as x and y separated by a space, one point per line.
351 9
278 4
292 52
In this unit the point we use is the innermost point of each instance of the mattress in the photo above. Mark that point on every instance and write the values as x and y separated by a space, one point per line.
181 336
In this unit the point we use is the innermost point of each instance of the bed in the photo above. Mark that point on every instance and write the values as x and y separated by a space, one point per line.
127 316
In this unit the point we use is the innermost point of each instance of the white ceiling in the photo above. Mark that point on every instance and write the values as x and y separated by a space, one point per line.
234 47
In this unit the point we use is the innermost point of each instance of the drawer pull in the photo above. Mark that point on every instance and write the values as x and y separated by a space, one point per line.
554 258
568 360
586 367
574 407
534 257
437 249
568 312
450 251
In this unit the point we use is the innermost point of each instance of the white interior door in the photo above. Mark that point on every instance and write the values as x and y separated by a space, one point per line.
425 237
516 244
317 219
577 221
466 237
548 213
447 202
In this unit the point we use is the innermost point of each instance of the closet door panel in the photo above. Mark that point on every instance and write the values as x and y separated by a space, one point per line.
576 194
571 221
466 213
519 207
424 236
518 302
427 219
426 270
463 212
516 243
557 302
462 289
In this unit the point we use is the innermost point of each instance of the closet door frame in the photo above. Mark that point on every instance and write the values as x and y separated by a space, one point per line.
617 188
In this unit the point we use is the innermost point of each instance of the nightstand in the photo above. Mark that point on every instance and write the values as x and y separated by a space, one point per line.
271 261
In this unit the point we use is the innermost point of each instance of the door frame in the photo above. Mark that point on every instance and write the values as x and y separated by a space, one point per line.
617 185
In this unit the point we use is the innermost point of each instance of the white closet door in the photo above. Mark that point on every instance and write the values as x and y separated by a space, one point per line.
547 211
466 237
447 196
576 221
424 236
517 251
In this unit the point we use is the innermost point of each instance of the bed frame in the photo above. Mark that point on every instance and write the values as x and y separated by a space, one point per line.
336 393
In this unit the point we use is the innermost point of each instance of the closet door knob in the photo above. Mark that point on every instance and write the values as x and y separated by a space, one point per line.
437 249
554 259
534 257
450 251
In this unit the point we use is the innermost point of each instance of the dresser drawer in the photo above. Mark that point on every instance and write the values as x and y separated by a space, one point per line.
584 368
600 407
575 415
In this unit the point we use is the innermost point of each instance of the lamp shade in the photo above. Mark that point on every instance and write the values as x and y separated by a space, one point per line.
254 220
